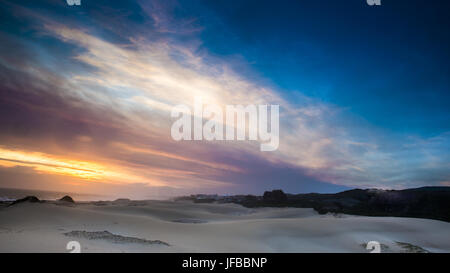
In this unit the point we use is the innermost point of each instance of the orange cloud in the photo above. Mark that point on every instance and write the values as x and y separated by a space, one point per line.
50 164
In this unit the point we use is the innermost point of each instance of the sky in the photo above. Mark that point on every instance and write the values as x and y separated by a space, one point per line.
87 92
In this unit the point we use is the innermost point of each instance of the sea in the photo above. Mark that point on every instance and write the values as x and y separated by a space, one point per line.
10 194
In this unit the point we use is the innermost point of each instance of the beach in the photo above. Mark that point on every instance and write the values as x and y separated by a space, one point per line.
183 226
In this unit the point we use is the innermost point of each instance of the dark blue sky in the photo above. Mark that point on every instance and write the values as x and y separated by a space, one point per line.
389 64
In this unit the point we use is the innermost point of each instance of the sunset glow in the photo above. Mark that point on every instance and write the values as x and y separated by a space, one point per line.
50 164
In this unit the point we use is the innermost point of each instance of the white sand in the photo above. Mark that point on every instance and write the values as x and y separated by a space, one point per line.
189 227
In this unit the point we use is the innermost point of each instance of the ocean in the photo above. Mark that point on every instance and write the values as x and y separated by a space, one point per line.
10 194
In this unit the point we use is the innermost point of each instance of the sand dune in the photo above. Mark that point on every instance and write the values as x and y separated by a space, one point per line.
135 226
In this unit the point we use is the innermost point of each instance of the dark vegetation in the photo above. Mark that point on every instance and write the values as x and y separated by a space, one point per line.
426 202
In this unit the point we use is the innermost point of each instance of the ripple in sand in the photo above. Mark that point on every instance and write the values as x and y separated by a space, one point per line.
410 248
190 221
108 236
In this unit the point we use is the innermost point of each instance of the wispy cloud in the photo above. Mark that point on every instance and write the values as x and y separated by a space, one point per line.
104 114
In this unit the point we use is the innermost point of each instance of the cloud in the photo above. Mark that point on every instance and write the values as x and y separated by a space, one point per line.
107 107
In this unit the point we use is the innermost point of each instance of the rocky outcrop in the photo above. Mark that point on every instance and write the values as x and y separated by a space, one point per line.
67 199
28 199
